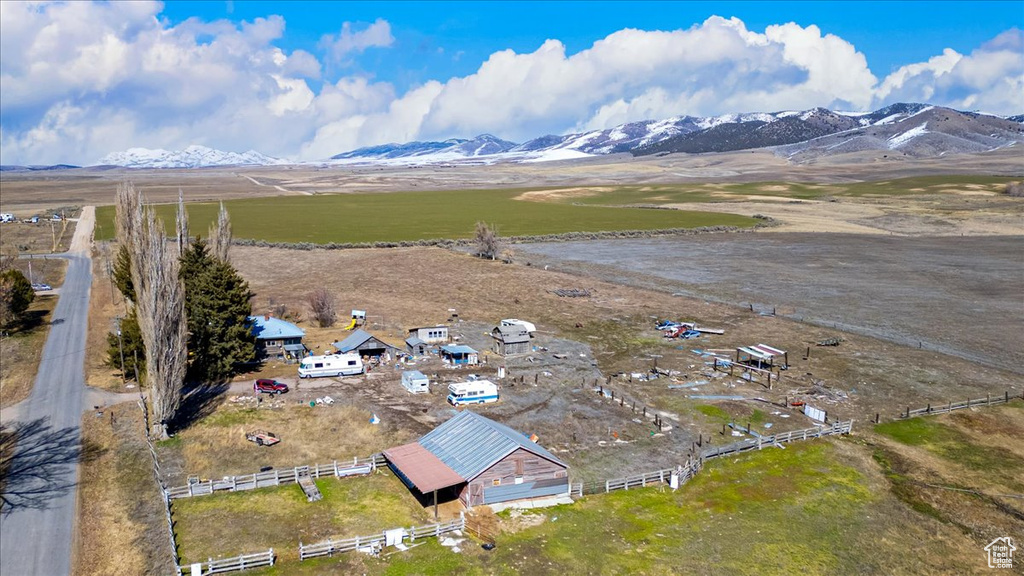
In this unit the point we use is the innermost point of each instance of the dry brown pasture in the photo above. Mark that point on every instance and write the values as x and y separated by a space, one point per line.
21 349
43 237
120 521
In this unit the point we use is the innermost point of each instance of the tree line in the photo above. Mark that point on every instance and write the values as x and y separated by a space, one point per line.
187 321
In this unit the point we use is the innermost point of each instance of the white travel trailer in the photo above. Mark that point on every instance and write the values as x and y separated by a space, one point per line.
528 326
415 382
330 365
475 392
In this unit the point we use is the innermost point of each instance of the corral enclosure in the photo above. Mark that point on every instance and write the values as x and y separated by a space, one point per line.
410 216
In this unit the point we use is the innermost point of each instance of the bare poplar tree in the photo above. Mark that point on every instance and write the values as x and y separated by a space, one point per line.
487 243
128 214
220 235
182 227
321 301
160 304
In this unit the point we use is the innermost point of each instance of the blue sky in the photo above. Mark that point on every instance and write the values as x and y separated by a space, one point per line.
306 80
890 34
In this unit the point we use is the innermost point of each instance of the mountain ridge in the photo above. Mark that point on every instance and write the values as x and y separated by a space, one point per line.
911 128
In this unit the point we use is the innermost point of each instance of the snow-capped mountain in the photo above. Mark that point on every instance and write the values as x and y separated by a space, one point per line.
192 157
482 145
911 128
915 129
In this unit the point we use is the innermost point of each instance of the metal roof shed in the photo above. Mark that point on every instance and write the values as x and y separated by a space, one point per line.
493 462
364 343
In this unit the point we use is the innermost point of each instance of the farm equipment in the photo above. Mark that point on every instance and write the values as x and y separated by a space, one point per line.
262 438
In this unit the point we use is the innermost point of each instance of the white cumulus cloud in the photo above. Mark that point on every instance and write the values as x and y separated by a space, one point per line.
349 41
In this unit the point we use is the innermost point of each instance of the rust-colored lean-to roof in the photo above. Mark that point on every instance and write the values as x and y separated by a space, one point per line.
422 468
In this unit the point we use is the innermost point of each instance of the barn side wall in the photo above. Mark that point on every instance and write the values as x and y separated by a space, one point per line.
540 477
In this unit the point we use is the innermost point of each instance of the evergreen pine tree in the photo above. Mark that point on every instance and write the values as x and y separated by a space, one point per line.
123 273
217 305
131 345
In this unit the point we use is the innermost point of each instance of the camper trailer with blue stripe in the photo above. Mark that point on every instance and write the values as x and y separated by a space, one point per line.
475 392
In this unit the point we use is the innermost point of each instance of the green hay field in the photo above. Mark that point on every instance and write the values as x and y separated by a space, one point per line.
411 216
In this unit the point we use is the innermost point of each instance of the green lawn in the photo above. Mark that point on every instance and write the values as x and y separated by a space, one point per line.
411 216
233 523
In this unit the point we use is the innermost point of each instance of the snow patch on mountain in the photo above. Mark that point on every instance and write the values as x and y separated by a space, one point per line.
192 157
904 137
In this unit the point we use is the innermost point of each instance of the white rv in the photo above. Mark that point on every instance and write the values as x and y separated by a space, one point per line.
330 365
415 382
476 392
528 326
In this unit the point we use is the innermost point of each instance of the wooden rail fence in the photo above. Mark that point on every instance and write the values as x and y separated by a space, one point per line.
682 473
221 565
988 400
358 466
330 547
781 437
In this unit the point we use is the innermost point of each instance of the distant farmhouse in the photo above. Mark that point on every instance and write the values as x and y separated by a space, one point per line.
431 334
277 339
478 461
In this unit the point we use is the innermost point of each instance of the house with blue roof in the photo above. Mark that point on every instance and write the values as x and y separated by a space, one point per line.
479 461
276 338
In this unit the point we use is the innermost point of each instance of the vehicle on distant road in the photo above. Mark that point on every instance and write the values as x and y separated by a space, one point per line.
270 386
7 217
41 287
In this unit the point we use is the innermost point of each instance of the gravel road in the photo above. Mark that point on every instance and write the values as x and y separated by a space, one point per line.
37 539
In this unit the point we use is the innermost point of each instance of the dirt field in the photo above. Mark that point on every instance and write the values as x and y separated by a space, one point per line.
955 295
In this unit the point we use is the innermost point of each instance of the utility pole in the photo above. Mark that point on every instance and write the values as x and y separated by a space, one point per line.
110 276
120 348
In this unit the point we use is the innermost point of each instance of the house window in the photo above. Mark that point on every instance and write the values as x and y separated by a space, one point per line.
496 482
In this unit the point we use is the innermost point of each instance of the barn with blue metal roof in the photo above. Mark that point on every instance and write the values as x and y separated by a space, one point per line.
480 461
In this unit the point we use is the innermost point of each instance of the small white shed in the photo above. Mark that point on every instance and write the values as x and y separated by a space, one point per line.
415 382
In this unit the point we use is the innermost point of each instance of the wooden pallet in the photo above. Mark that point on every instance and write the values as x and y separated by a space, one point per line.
308 486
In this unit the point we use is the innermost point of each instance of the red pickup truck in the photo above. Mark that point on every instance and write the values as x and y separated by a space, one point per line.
269 386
